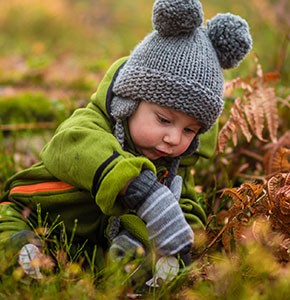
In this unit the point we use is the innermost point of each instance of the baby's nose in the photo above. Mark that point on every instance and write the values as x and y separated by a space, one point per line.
173 137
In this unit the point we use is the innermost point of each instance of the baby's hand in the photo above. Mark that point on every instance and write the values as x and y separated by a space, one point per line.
125 245
176 187
158 206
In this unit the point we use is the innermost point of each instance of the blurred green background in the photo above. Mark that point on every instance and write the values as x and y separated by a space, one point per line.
92 34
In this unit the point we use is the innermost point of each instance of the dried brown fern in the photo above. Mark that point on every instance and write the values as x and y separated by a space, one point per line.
243 208
277 157
270 203
235 219
278 191
250 113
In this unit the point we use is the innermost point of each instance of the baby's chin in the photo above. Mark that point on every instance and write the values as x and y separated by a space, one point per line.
148 153
155 155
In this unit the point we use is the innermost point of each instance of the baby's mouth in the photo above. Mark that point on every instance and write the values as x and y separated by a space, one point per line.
161 153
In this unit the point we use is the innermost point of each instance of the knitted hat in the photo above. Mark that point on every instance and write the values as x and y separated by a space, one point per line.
179 65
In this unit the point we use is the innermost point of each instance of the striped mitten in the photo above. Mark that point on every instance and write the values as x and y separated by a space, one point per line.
158 207
125 245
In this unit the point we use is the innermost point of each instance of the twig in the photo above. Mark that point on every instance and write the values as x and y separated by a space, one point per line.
213 241
252 177
251 154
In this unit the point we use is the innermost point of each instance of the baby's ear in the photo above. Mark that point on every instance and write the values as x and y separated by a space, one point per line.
230 37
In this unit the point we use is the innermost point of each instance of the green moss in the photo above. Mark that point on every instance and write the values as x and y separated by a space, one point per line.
82 85
30 107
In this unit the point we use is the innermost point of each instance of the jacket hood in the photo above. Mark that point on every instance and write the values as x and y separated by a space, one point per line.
104 94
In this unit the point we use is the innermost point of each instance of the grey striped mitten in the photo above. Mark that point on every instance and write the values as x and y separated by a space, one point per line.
125 245
159 208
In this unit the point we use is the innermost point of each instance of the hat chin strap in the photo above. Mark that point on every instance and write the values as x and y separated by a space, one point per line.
119 132
193 146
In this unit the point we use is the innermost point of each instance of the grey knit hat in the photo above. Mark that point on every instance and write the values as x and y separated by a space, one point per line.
179 65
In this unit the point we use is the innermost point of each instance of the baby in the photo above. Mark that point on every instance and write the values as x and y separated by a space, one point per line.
122 165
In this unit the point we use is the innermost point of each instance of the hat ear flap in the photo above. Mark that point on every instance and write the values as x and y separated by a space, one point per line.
121 108
230 37
175 17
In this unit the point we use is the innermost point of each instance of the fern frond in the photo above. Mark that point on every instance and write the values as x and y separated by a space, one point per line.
256 108
280 161
235 194
272 208
229 131
287 179
254 189
285 102
269 103
239 228
277 157
237 83
284 203
255 113
279 199
273 184
241 120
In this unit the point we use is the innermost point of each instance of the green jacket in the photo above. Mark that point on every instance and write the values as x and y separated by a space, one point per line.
82 171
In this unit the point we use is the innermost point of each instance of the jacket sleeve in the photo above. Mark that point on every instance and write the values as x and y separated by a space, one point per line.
85 153
11 222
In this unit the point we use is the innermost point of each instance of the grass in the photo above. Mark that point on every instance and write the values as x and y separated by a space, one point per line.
216 276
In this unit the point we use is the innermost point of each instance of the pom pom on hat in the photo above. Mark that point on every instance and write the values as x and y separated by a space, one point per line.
230 37
172 18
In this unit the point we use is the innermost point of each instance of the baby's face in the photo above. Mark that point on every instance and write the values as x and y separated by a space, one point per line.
159 131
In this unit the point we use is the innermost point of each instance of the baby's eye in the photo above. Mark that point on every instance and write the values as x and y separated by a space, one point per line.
163 120
189 130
